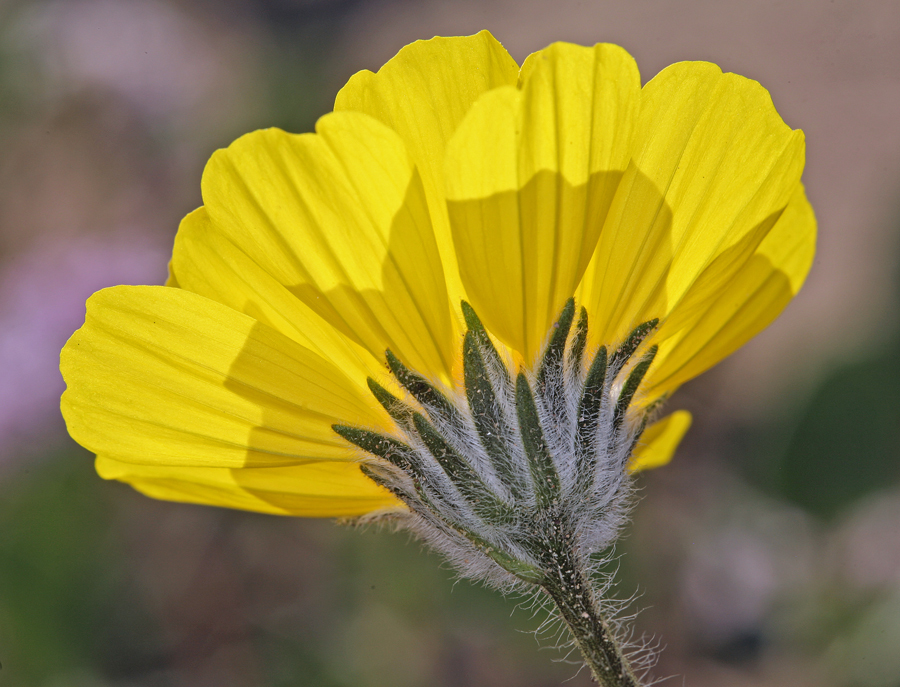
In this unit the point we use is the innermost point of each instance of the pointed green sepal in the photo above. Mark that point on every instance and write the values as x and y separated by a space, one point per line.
383 482
393 451
540 462
631 344
579 341
492 358
399 411
590 405
631 386
473 322
421 389
457 469
386 482
551 364
488 418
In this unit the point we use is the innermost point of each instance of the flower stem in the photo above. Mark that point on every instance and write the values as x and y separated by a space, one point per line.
571 591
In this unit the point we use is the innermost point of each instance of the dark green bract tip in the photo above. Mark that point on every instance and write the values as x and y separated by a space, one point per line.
473 322
397 409
632 343
421 389
492 360
390 449
552 360
631 386
579 341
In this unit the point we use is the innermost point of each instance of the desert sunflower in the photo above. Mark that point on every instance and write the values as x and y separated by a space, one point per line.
460 302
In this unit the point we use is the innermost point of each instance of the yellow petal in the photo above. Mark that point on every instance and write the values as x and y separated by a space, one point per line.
211 265
339 217
714 166
172 280
659 441
315 489
722 320
530 177
422 94
163 376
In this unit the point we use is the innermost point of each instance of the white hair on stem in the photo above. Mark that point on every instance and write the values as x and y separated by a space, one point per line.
520 479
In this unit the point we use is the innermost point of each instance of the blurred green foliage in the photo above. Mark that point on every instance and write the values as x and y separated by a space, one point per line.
846 442
840 444
65 599
382 613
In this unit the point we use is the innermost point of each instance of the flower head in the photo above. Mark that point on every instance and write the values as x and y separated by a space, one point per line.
461 301
486 231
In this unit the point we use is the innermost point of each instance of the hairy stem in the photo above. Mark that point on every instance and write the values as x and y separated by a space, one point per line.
571 591
525 482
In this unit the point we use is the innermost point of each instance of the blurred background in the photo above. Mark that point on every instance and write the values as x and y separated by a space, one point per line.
767 553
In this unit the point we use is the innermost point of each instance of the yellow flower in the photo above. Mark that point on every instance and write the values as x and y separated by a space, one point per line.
450 175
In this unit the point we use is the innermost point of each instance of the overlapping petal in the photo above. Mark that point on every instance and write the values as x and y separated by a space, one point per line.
162 376
210 264
340 218
720 318
423 93
712 170
530 176
315 489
